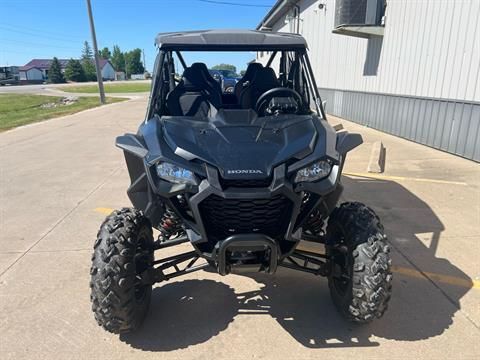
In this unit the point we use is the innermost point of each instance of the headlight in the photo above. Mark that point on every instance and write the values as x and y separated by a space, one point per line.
314 172
175 174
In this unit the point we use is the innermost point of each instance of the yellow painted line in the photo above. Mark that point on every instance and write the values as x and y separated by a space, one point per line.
446 279
404 178
105 211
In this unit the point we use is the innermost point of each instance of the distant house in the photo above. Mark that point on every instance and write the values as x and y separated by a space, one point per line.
37 69
108 71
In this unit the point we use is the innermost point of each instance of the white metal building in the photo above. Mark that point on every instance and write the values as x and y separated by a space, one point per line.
407 67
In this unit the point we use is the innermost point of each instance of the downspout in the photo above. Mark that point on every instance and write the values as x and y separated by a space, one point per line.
297 9
280 7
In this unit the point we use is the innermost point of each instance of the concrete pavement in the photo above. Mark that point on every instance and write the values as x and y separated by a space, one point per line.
54 174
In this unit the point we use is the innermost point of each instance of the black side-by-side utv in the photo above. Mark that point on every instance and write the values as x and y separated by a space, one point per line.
242 176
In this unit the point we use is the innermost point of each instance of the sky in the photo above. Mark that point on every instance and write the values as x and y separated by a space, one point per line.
46 28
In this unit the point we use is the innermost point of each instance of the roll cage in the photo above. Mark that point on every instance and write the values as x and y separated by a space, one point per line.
293 71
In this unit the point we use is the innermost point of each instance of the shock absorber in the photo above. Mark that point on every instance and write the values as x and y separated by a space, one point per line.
315 222
170 225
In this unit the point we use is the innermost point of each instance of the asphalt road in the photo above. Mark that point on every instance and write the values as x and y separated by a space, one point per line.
58 179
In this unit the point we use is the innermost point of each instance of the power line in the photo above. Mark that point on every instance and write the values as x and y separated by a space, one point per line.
234 3
36 34
37 31
37 44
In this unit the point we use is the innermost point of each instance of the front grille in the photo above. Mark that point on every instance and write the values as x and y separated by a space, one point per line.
225 217
245 183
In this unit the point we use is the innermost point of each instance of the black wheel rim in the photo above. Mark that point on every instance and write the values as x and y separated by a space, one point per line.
342 267
142 263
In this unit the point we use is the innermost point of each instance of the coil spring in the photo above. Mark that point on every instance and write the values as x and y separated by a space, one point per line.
170 224
315 223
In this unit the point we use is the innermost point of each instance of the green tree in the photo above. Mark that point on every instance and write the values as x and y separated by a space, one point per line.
228 70
89 70
87 52
74 71
242 72
117 59
105 53
88 62
55 75
134 63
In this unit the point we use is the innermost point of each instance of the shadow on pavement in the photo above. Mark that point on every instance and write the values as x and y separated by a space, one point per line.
192 311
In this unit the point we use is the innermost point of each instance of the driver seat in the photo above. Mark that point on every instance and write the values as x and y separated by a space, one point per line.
192 96
263 80
252 69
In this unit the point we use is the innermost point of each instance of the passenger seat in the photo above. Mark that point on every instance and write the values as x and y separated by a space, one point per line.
212 83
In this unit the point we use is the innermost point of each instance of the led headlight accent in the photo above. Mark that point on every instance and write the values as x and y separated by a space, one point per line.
314 172
175 174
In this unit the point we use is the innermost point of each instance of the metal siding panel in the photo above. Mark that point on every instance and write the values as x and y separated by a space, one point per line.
452 54
426 66
413 119
377 112
420 120
370 110
364 108
355 107
398 116
383 112
352 105
392 115
348 105
443 32
460 143
472 143
456 122
420 39
442 113
387 119
433 122
447 126
473 73
407 120
427 121
425 43
402 117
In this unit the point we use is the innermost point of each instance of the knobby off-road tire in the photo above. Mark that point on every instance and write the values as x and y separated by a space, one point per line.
360 280
123 250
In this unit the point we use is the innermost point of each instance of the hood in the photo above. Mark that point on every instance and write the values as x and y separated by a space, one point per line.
242 150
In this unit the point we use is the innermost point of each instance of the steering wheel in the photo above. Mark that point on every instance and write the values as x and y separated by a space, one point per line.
264 100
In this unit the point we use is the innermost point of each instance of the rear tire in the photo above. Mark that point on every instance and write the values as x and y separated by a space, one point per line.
122 251
360 280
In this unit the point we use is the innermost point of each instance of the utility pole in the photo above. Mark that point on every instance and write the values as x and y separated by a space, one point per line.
95 51
144 63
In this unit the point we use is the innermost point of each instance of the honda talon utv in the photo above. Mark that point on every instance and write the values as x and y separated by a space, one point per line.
242 176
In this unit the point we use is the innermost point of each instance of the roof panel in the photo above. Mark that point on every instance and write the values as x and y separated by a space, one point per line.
229 40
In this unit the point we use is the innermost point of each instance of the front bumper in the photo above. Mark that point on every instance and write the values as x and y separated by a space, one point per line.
287 229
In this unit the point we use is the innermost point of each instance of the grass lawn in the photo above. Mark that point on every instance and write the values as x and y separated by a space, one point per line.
21 109
110 88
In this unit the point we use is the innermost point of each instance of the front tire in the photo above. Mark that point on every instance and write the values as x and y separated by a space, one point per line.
122 251
360 276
